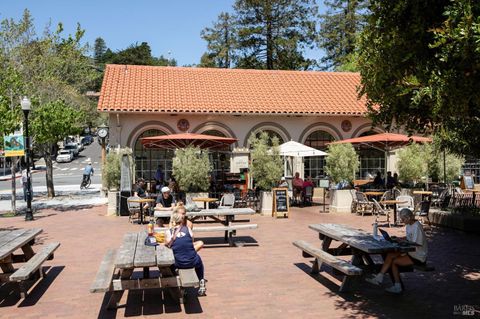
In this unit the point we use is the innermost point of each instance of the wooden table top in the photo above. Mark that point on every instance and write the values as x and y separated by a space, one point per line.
211 212
204 199
141 200
358 238
11 240
393 201
133 253
373 193
422 192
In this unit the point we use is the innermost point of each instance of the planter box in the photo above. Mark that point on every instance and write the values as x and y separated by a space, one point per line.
266 203
340 201
112 203
447 219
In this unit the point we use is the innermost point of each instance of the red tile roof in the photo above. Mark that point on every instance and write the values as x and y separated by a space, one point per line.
135 88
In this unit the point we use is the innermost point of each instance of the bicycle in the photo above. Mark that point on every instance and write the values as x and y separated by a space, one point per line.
86 181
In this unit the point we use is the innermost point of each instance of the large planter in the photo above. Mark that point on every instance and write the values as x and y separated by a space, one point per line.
340 201
112 203
456 221
266 203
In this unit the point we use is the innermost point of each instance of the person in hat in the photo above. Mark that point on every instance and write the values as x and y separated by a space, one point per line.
283 182
165 200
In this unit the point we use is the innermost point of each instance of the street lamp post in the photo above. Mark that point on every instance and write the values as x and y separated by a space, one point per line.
26 104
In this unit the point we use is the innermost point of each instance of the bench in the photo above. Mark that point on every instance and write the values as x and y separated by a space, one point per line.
103 279
229 230
351 272
33 267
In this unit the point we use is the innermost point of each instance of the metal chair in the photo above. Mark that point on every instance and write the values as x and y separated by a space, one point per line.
423 212
363 204
379 210
133 208
239 200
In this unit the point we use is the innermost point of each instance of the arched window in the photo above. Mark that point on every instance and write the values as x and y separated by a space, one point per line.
148 160
271 134
314 166
371 160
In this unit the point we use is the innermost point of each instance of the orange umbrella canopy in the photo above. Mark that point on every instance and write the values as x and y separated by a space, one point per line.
182 140
385 141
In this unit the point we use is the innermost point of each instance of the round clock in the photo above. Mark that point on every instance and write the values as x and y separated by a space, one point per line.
183 125
346 125
102 132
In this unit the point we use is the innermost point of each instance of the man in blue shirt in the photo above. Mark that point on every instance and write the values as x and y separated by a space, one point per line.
87 172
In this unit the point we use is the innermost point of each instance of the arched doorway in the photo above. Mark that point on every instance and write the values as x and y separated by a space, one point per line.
314 166
371 160
148 160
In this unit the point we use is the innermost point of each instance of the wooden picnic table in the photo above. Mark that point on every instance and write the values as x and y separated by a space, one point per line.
31 269
206 201
224 216
116 272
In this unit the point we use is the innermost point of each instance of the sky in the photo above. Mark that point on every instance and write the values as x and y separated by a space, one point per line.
171 27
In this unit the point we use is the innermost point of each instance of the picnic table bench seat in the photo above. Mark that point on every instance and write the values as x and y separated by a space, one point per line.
350 271
103 279
33 267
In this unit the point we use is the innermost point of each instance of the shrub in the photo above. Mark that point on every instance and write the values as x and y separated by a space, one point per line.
342 162
267 165
191 168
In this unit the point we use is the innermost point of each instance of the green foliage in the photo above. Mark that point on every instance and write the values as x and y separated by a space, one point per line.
339 29
412 164
99 50
436 163
221 42
420 63
10 89
191 168
111 173
267 165
342 162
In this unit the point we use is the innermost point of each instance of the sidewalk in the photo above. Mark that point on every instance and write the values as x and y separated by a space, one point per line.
67 197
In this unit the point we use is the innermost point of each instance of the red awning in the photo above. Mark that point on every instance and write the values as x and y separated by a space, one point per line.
183 140
385 141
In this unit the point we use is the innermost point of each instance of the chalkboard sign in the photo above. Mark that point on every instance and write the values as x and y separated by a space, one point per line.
280 202
324 183
467 182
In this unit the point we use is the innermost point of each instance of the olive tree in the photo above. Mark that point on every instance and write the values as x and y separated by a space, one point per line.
342 162
267 166
191 168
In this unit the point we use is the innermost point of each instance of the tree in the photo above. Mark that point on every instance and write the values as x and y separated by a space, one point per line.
99 50
420 68
412 166
342 162
52 122
191 168
221 41
11 87
273 34
207 61
436 160
267 166
339 29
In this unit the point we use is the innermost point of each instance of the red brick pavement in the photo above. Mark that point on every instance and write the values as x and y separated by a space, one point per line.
267 278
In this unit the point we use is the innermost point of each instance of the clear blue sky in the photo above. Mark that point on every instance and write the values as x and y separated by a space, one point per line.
168 26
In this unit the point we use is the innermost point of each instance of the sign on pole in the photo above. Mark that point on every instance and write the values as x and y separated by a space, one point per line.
14 145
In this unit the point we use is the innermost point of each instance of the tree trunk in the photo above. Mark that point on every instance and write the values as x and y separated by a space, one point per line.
13 171
269 36
49 175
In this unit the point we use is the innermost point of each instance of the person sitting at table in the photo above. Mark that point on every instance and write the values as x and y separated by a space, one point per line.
140 192
165 201
415 234
182 210
390 180
378 181
297 184
180 239
283 182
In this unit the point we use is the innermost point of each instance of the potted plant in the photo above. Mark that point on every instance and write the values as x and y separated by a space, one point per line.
341 164
266 167
191 168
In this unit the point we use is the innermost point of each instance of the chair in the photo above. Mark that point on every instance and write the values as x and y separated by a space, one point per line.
353 208
423 212
308 195
133 208
239 200
379 210
408 202
363 204
227 201
252 200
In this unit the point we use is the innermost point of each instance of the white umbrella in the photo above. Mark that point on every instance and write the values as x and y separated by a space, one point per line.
295 149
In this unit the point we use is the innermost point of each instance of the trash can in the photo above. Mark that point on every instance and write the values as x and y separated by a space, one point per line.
123 207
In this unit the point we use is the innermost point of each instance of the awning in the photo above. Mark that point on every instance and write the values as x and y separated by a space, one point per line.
296 149
385 141
182 140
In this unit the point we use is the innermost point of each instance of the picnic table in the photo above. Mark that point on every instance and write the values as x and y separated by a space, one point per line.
116 272
354 242
141 201
31 269
206 201
223 216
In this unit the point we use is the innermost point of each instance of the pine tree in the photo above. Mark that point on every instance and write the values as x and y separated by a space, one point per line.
221 41
99 50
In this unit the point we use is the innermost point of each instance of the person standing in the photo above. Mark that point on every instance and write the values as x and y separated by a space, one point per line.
159 177
25 185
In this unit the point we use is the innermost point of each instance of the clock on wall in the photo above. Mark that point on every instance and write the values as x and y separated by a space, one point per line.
346 125
183 125
102 132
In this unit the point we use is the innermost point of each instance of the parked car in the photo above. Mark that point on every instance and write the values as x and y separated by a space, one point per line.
87 140
64 156
72 147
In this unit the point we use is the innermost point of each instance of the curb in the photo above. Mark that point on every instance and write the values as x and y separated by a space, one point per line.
3 179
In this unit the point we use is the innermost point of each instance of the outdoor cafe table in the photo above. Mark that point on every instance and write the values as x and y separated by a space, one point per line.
355 242
393 202
423 193
223 216
373 194
206 201
141 201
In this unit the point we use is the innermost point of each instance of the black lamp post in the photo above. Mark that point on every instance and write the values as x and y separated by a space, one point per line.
26 104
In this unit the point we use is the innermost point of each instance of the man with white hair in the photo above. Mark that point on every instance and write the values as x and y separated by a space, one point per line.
165 200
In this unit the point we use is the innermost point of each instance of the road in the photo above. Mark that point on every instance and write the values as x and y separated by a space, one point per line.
67 173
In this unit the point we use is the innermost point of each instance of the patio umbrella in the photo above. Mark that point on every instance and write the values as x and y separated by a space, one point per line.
182 140
295 149
385 142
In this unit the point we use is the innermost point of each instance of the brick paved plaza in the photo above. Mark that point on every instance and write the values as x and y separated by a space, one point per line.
267 278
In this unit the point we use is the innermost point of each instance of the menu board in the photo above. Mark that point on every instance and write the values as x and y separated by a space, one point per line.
280 202
467 182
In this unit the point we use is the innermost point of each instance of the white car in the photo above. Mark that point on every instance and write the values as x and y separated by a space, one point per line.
64 156
73 148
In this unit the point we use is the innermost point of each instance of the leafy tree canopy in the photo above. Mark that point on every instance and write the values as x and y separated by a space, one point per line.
221 42
267 165
191 168
420 67
342 162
